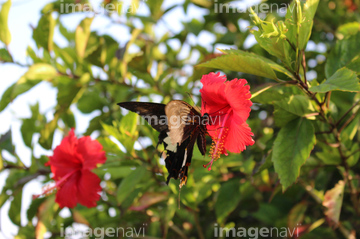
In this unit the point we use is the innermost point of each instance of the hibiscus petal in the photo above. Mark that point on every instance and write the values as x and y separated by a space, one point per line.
212 93
238 95
66 195
238 137
88 189
91 152
65 158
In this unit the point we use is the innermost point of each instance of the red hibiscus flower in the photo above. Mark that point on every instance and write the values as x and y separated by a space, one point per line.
228 105
71 164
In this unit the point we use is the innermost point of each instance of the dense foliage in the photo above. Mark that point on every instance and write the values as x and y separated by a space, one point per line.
303 169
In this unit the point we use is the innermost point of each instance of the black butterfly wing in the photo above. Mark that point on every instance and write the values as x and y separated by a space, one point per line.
185 128
180 126
201 142
177 163
153 113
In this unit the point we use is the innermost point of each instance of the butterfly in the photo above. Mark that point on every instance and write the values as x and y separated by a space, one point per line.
180 126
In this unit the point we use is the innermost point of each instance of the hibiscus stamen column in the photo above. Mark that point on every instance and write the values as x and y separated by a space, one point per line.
218 143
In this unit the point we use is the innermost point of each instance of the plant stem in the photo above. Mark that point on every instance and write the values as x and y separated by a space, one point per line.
198 226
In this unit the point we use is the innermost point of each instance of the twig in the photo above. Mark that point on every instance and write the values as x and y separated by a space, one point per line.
353 153
347 112
198 226
347 123
292 46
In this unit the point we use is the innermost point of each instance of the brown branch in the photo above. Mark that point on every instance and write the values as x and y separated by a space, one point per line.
347 123
347 112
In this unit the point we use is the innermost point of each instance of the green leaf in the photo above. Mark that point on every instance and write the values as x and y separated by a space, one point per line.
115 172
194 26
342 54
6 142
27 130
329 155
296 215
129 134
343 79
82 35
13 91
291 108
125 131
273 65
15 207
32 125
351 28
5 56
242 62
268 213
155 9
68 118
68 92
354 65
306 22
227 200
13 182
109 146
40 71
44 32
47 133
90 101
274 94
5 35
128 183
33 208
266 165
261 89
291 149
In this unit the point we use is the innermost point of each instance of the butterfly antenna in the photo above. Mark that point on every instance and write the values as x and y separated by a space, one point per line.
193 101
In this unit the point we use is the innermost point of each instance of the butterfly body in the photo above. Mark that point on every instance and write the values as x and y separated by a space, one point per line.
181 127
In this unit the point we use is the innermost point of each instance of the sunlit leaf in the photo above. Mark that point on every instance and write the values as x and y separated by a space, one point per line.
343 79
43 34
5 35
242 62
305 23
82 34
